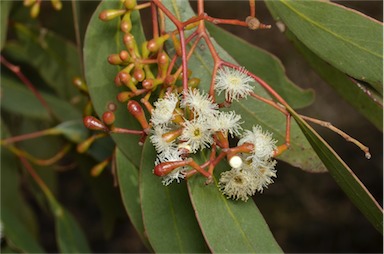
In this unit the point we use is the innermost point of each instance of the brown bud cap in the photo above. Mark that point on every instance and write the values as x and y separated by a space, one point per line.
139 74
108 15
137 111
124 96
124 77
148 83
169 80
94 124
124 56
108 118
129 40
114 59
117 80
126 23
155 44
165 168
163 58
130 4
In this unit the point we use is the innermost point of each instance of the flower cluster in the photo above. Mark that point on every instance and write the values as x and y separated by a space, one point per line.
251 171
183 126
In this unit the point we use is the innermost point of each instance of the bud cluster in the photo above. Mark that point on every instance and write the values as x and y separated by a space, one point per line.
184 120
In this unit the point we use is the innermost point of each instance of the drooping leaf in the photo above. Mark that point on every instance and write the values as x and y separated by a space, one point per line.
18 99
264 64
18 221
53 57
344 176
128 177
229 226
346 39
368 104
300 153
74 130
169 218
5 7
69 235
101 40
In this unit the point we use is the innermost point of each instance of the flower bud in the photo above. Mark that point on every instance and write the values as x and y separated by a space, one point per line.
147 83
35 10
126 23
124 56
98 168
165 168
84 146
114 59
57 5
80 84
130 4
28 3
108 15
124 96
94 124
108 118
137 111
139 74
155 44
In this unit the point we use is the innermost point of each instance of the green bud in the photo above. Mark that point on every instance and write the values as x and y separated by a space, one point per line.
108 15
130 4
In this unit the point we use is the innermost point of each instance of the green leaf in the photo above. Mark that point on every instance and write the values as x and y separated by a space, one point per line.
128 177
53 57
74 130
344 176
369 105
18 99
168 216
346 39
5 8
69 235
300 153
267 66
101 40
229 226
18 221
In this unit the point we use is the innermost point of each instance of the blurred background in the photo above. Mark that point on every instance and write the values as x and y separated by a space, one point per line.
306 212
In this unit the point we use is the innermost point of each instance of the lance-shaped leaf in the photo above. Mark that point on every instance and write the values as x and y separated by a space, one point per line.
18 221
101 40
348 40
251 110
53 57
20 100
128 177
343 175
362 98
229 226
169 218
5 7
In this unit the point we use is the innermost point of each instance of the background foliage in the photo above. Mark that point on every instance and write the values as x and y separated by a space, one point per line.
306 212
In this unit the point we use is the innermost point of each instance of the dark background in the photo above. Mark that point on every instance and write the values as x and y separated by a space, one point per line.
306 212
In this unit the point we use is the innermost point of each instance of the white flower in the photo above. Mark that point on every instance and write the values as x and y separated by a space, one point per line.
157 140
196 134
227 122
199 103
175 175
264 174
237 184
164 109
233 82
264 144
244 181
